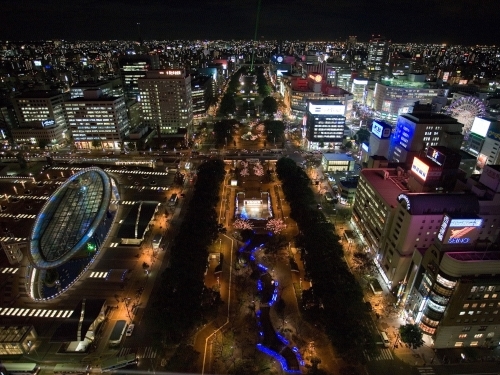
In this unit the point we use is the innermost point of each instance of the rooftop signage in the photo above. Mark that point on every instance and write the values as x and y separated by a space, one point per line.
171 72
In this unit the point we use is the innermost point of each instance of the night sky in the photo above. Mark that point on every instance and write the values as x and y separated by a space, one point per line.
435 21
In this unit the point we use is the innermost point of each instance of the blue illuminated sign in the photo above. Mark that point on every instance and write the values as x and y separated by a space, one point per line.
48 123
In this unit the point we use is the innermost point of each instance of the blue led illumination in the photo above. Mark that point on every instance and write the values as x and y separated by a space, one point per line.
277 357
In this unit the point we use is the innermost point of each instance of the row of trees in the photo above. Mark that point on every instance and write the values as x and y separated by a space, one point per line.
228 102
182 300
340 309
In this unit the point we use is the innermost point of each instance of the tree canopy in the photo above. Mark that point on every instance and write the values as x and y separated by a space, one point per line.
274 130
362 136
182 300
269 105
341 309
411 334
227 104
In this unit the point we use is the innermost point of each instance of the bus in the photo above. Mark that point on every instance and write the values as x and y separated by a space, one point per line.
173 200
156 241
21 368
117 333
71 368
118 362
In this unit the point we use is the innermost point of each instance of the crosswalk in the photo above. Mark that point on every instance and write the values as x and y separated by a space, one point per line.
427 370
99 275
385 354
112 170
9 270
18 217
36 313
147 352
26 197
17 239
138 172
129 203
143 187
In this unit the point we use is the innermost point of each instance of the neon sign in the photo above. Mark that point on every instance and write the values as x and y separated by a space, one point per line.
404 197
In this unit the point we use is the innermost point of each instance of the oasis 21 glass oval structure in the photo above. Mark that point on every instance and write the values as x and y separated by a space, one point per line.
69 231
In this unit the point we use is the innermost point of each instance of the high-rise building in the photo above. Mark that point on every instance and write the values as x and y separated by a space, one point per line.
453 288
378 53
166 100
325 123
132 67
201 94
417 131
41 118
97 119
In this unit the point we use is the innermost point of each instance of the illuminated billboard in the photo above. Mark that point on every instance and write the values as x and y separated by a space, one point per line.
459 231
436 156
480 126
420 169
321 109
383 131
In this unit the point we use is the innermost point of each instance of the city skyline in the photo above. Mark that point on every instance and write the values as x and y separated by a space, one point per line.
432 22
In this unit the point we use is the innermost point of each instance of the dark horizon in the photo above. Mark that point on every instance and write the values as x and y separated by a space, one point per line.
427 21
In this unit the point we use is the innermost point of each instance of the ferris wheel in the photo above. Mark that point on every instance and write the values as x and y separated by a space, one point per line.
465 109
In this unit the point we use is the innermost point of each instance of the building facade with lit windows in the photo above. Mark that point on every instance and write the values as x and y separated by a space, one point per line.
454 286
378 54
167 100
41 117
97 118
415 132
397 223
393 97
133 67
325 123
298 91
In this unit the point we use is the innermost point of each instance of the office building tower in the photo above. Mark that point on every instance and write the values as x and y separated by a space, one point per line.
166 100
111 88
417 131
325 123
97 120
201 94
392 97
41 118
380 139
378 54
133 67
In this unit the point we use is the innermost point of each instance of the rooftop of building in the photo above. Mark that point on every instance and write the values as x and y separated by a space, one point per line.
403 83
331 156
464 155
102 98
90 84
427 118
430 203
35 94
350 183
474 256
383 180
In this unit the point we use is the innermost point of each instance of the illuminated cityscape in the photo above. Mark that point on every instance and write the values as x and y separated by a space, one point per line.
178 197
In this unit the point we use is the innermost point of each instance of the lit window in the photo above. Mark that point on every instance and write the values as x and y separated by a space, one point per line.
462 336
478 335
462 313
459 343
474 343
